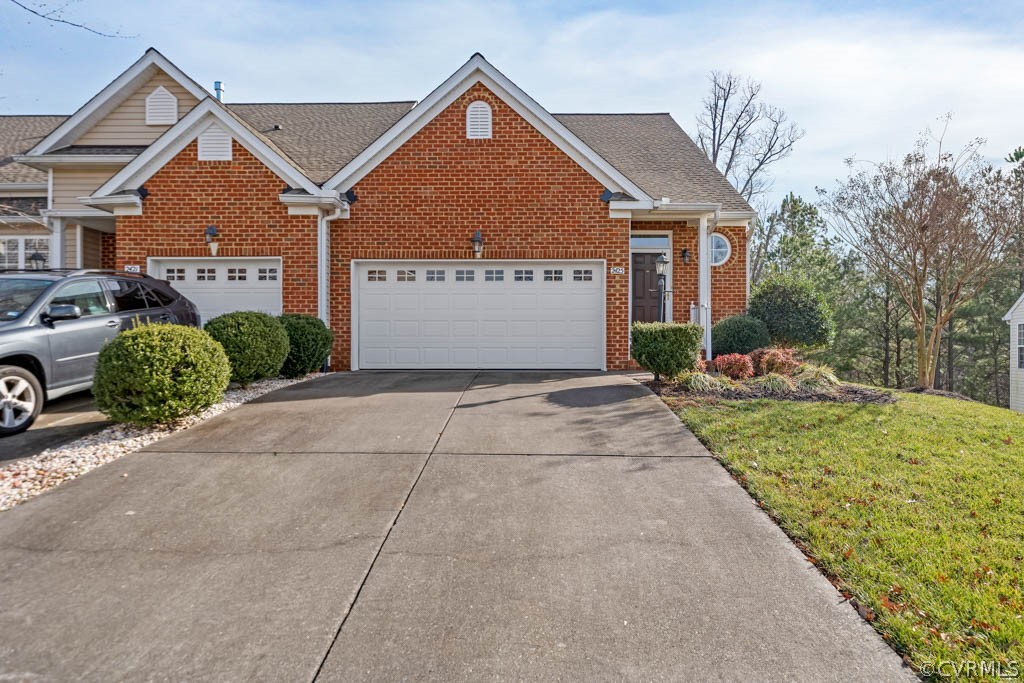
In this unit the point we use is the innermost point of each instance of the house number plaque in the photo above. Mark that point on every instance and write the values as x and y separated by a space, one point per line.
618 270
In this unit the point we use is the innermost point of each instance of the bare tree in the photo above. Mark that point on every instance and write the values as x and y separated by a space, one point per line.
934 225
742 135
54 13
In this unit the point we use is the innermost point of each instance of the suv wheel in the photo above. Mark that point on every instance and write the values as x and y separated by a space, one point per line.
21 399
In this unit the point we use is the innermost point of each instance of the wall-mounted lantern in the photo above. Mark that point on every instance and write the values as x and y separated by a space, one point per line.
685 255
211 238
478 244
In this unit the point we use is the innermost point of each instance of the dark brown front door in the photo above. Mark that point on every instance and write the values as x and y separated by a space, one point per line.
645 288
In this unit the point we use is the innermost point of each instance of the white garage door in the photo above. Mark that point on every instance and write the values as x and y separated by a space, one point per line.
479 314
223 285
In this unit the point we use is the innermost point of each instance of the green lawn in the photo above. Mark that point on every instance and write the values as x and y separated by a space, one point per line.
915 509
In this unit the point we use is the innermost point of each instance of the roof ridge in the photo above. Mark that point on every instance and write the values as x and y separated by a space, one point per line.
286 104
23 116
613 113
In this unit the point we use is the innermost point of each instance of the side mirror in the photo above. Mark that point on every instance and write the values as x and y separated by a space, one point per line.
63 312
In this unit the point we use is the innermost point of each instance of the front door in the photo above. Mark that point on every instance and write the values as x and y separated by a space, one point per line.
646 306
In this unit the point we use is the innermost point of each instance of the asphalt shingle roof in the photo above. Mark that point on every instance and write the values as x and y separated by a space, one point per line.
320 138
19 134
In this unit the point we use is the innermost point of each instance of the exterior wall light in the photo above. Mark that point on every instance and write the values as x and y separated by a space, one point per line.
685 255
211 238
38 260
478 244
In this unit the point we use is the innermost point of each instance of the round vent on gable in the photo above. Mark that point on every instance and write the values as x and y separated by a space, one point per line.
478 120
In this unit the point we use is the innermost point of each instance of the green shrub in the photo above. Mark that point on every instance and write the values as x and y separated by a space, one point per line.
816 377
734 365
781 361
667 348
256 344
795 313
774 383
309 344
154 374
700 382
739 334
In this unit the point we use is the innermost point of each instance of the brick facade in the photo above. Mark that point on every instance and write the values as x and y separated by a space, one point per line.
108 251
240 197
524 194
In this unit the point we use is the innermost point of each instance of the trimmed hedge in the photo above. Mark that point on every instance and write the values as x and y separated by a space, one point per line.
309 344
667 348
256 344
739 334
794 311
159 373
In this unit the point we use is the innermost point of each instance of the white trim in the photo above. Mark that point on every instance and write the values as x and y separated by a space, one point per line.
48 161
728 248
668 251
84 212
1009 313
49 189
181 134
79 233
479 70
704 280
479 121
24 187
354 294
57 242
157 118
14 220
107 99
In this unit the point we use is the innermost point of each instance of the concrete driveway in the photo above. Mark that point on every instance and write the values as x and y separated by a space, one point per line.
421 526
62 420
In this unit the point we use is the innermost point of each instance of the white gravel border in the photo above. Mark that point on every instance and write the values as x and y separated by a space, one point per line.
31 476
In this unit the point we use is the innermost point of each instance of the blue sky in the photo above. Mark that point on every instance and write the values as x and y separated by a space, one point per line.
862 78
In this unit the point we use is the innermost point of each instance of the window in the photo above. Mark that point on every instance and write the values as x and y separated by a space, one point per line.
161 108
17 252
478 121
157 297
266 274
214 144
583 275
494 276
86 294
175 274
406 276
128 295
524 276
435 276
649 242
465 275
206 274
376 276
237 274
720 249
553 275
1020 346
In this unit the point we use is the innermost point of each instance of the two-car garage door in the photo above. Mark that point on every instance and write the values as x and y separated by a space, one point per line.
479 314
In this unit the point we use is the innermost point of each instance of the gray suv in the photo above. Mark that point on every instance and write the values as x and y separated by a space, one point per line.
53 324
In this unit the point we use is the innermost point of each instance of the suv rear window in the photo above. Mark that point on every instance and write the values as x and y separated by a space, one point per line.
128 295
157 297
16 295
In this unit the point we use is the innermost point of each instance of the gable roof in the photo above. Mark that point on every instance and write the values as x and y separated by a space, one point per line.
479 70
115 92
1009 314
18 133
656 154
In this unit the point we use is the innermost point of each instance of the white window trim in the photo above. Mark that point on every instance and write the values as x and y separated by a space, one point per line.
728 248
482 129
22 255
668 251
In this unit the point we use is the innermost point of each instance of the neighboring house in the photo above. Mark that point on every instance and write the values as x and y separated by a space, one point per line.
1015 317
364 214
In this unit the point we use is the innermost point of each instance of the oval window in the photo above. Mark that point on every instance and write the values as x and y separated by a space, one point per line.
720 249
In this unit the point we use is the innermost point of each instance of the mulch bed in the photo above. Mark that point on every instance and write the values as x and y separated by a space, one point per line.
844 393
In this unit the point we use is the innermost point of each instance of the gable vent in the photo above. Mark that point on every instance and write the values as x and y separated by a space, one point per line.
478 120
161 108
214 144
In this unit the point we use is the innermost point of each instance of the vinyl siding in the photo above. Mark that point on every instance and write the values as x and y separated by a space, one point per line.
126 125
70 184
1016 374
92 241
19 229
70 246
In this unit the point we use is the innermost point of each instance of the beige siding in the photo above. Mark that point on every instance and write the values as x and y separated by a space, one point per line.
92 246
70 184
70 246
18 229
126 125
1016 374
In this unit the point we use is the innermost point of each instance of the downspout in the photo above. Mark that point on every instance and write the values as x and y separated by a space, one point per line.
323 242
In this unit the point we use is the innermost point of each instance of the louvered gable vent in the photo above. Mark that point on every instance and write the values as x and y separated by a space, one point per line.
161 108
478 120
214 144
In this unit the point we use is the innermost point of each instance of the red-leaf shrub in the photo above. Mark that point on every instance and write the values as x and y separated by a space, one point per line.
779 361
702 365
734 365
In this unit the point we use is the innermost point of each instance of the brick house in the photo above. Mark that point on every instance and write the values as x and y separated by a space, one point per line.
471 229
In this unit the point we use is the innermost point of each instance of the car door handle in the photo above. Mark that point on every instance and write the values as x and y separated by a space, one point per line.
165 317
113 323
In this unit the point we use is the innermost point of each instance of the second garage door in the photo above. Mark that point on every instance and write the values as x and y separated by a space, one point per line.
223 285
479 314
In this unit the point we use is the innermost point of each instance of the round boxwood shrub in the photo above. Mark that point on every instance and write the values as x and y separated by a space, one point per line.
256 344
154 374
739 334
794 311
667 348
309 344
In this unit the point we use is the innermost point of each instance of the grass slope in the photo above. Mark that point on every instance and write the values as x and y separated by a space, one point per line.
915 508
